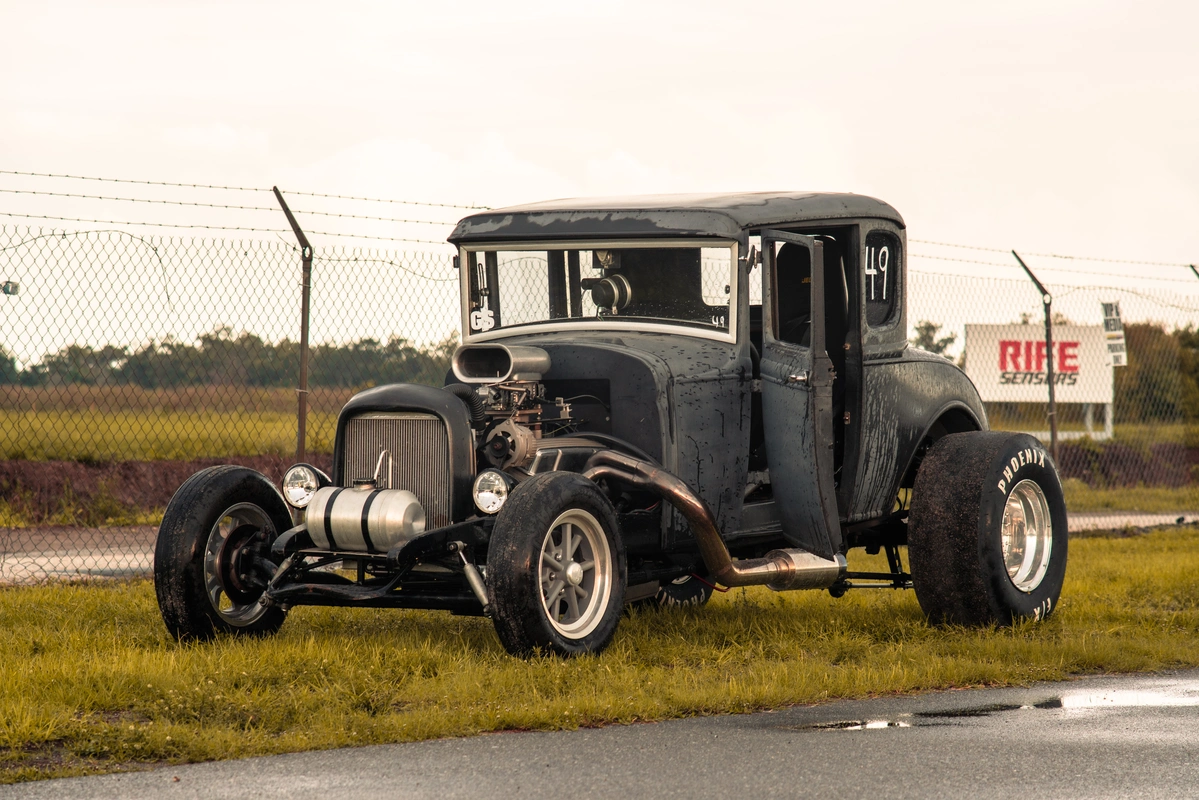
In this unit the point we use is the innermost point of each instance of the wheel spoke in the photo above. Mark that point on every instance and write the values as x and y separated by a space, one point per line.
572 602
586 565
567 545
549 561
214 594
555 589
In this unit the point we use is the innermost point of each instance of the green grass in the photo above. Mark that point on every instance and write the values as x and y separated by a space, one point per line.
1149 499
87 516
90 681
100 435
1070 421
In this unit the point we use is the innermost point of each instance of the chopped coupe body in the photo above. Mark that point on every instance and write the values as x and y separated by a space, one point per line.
653 395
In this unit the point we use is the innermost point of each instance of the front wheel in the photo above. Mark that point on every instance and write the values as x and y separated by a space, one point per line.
987 535
556 567
212 558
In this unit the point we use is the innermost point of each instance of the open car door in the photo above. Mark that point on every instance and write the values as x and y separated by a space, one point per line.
797 392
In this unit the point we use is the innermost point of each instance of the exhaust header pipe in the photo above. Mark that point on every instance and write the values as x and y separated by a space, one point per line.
780 569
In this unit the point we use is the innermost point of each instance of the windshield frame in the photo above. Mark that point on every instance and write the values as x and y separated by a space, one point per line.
593 323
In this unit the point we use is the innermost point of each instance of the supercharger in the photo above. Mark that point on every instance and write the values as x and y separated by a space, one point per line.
363 518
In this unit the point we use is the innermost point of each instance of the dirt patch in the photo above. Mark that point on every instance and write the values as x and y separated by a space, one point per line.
1110 464
91 493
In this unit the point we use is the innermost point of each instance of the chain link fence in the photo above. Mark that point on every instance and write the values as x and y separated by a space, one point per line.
129 362
1126 459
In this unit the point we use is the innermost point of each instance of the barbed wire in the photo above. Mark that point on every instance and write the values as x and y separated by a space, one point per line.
77 234
224 206
336 215
1089 273
962 260
238 189
1064 290
401 202
148 224
1150 298
378 238
1054 255
218 228
392 262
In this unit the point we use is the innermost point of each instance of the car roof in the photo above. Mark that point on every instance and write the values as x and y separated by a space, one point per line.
718 215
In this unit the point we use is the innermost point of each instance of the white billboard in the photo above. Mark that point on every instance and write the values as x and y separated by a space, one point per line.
1009 363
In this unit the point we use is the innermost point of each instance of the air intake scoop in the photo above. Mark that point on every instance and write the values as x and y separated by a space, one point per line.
499 363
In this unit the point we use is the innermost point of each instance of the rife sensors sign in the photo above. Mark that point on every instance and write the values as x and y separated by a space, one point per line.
1010 363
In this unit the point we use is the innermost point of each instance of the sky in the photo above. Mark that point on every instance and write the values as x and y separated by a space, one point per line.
1049 127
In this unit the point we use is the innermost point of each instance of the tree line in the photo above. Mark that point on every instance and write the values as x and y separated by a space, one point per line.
1160 383
224 358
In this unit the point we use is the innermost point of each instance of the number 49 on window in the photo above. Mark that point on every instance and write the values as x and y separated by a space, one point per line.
877 259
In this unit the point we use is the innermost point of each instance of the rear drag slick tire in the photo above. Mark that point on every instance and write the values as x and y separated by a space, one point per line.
987 532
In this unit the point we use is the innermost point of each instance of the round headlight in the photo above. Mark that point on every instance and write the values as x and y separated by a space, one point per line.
491 490
299 485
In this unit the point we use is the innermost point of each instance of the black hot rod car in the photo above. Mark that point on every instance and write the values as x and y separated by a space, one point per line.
653 396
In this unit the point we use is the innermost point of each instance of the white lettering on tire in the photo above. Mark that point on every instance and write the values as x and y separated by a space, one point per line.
1012 468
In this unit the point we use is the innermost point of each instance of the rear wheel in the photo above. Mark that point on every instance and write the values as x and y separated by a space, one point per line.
556 567
987 535
212 558
679 593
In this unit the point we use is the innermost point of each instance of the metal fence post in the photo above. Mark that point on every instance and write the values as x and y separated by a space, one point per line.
1047 300
306 294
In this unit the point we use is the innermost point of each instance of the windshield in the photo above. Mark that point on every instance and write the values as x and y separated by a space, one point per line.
621 285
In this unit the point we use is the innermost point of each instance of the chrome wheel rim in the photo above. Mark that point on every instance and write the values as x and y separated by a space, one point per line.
232 611
1026 535
576 574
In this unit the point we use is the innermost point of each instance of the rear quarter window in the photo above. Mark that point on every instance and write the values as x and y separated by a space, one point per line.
882 263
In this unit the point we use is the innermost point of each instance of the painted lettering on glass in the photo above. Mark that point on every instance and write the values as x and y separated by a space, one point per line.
877 261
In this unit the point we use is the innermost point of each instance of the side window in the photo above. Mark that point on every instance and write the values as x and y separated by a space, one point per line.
792 294
882 264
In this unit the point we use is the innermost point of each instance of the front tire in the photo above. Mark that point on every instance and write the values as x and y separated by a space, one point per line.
556 569
987 533
212 557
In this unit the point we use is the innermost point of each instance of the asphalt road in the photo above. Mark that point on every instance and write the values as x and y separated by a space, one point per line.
1097 737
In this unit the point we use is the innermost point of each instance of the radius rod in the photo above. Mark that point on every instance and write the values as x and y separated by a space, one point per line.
779 569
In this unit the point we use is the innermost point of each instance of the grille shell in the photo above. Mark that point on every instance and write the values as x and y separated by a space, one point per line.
420 457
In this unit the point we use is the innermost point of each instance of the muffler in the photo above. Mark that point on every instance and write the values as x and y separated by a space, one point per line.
779 570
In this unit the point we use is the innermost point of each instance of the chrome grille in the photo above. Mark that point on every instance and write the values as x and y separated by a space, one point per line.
420 458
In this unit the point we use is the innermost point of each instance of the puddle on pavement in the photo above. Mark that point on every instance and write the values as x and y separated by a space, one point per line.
980 711
1076 701
855 725
1120 699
